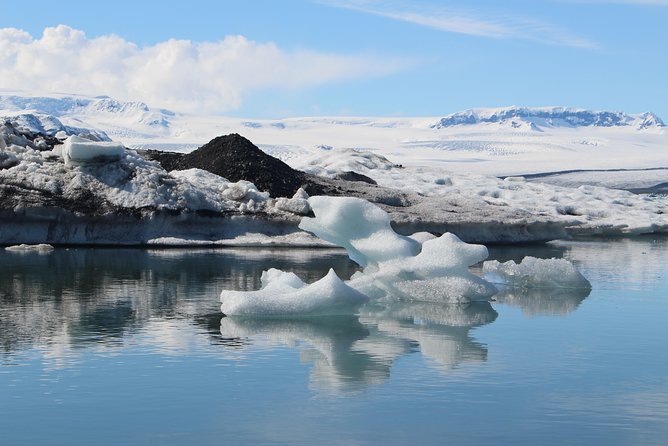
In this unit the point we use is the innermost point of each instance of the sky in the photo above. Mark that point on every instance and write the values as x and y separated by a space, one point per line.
274 59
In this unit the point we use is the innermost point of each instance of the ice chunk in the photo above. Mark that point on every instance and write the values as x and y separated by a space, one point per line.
446 253
543 301
437 274
284 294
532 272
79 151
395 268
39 248
298 204
360 227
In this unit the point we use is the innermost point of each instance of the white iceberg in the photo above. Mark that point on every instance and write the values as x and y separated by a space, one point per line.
360 227
284 294
532 272
41 248
395 267
439 273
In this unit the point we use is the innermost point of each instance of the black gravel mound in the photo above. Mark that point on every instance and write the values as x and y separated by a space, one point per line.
236 158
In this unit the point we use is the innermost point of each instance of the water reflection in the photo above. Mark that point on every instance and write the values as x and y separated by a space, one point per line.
96 296
620 260
349 354
167 300
441 331
543 302
328 343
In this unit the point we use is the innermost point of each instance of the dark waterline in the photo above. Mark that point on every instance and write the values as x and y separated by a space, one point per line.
128 346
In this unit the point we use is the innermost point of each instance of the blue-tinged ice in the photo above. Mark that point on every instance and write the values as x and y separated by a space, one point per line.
395 268
360 227
532 272
285 294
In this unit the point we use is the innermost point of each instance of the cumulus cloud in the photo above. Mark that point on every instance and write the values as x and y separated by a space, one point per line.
178 74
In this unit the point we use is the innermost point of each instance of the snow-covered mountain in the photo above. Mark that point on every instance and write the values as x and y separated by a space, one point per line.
49 125
537 118
116 118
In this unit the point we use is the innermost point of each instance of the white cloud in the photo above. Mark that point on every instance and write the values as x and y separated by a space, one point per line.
466 22
177 74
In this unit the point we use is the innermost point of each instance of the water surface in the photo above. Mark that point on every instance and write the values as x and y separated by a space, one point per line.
127 346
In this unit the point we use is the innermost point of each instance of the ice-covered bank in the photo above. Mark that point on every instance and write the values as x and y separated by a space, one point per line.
421 268
88 191
478 206
98 192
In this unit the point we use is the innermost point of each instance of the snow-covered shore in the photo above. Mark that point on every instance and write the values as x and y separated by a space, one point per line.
94 191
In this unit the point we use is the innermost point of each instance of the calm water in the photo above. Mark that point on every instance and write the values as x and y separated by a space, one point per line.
118 347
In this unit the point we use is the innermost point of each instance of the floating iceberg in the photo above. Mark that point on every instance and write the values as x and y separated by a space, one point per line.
420 268
360 227
23 248
532 272
395 267
284 293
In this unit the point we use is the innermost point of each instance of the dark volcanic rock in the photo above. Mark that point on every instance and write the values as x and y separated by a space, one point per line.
236 158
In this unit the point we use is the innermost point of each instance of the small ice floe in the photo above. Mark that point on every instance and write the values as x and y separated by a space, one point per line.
298 204
41 248
532 272
285 294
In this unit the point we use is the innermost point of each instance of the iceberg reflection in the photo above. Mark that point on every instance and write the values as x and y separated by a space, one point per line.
543 301
349 354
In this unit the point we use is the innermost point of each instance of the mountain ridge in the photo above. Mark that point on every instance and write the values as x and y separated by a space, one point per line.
142 116
536 118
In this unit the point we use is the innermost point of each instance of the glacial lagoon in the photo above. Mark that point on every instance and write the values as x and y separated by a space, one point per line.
128 346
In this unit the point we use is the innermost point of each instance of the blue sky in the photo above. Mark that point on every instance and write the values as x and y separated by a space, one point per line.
353 57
